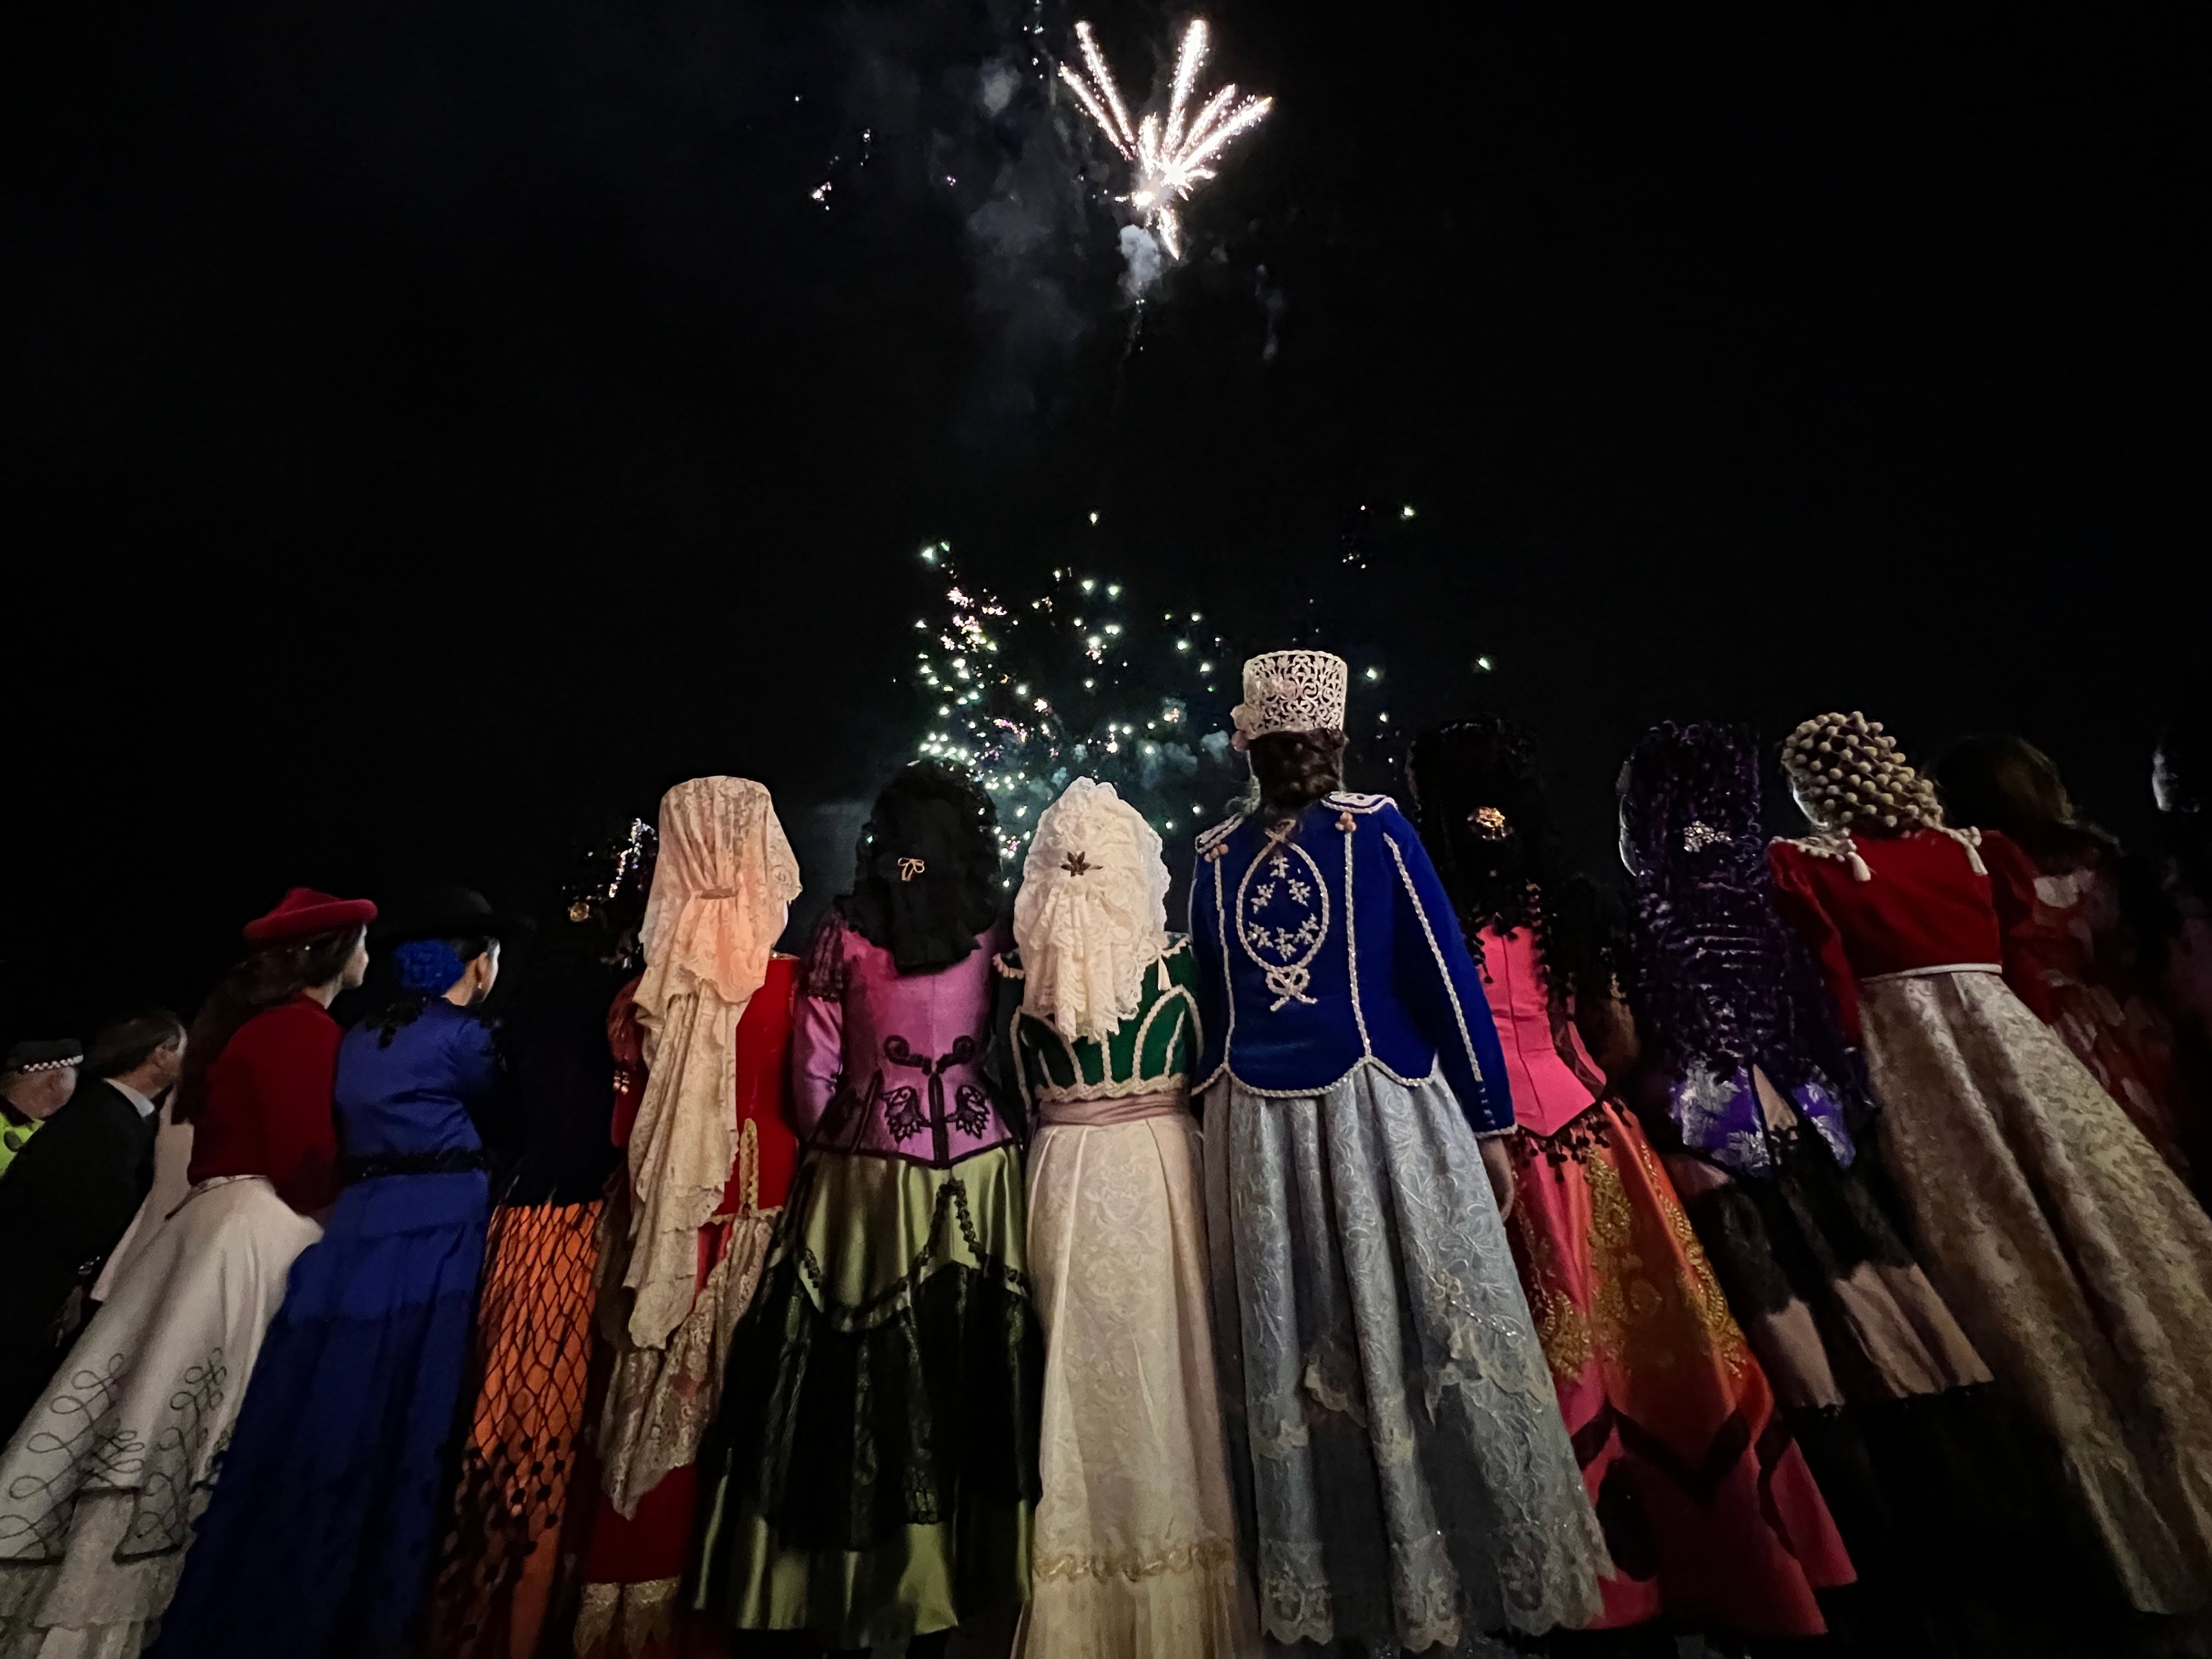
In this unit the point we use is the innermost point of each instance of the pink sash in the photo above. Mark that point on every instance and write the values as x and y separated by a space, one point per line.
1107 1113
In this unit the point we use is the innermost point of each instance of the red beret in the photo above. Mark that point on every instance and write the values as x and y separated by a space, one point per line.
304 911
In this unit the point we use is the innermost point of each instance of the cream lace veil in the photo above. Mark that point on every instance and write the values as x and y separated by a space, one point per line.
720 893
1092 914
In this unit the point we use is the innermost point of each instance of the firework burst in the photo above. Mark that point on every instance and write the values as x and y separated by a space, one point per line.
1168 160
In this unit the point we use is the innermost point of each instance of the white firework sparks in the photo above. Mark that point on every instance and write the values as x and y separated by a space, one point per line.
1169 161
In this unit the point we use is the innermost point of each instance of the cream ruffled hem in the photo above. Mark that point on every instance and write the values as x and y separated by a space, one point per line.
1181 1604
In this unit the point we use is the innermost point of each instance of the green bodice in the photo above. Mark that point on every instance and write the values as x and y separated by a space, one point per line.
1152 1049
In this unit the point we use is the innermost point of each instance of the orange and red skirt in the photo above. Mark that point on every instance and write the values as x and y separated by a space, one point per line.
1712 1517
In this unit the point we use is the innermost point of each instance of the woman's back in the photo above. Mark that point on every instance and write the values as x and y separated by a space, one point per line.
408 1088
1327 943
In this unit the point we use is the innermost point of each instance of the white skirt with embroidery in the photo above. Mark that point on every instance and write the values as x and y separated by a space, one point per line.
1408 1478
105 1481
1135 1546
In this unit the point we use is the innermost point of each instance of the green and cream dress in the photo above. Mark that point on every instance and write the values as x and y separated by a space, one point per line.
1134 1554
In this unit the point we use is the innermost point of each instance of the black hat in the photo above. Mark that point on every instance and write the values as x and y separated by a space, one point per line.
449 913
50 1055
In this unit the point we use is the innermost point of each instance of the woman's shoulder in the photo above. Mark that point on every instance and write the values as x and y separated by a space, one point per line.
300 1021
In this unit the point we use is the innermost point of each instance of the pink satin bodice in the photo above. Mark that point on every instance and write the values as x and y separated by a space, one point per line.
892 1063
1548 1094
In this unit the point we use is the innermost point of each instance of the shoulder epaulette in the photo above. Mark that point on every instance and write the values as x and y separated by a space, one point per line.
1347 801
1210 839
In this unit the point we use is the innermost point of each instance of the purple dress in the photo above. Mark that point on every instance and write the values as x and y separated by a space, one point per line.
878 1426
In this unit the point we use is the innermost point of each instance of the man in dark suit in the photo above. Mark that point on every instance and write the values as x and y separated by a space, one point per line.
69 1195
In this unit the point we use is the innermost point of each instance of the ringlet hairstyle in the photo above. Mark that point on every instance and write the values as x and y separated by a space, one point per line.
1293 769
1849 774
1717 977
1504 869
273 973
123 1045
926 869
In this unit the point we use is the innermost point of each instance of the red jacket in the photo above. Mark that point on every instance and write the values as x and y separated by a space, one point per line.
268 1110
1924 906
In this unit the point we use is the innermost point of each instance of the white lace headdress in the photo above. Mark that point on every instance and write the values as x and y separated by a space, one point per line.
1292 691
721 890
1092 914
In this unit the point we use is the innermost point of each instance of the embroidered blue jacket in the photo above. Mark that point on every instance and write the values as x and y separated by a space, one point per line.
1335 948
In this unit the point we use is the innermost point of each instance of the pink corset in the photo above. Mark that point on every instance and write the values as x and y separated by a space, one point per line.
1548 1094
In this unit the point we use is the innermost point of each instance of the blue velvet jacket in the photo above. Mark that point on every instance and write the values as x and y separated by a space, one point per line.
1335 948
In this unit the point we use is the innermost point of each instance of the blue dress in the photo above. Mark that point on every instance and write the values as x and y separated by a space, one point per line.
318 1538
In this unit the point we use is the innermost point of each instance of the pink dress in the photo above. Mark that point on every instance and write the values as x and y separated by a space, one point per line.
1709 1512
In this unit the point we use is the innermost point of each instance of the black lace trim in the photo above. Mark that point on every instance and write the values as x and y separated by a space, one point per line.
842 1438
450 1160
1573 1141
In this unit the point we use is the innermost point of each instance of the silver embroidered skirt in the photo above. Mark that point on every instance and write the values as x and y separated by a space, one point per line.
1400 1457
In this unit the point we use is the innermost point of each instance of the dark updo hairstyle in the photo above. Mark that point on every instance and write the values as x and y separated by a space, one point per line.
271 973
1479 805
925 871
1291 770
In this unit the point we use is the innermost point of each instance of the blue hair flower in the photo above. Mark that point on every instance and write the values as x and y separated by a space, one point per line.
428 967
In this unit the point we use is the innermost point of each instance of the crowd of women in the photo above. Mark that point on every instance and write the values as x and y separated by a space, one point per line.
1421 1253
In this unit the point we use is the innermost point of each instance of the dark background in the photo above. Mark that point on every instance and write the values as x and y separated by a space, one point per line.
434 426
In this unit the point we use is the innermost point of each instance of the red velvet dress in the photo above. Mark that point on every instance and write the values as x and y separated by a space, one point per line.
1710 1515
2076 1258
659 1402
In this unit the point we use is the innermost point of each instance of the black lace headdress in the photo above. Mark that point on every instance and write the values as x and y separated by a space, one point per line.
925 877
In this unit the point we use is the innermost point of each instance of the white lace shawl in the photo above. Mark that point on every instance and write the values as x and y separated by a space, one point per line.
1092 914
721 891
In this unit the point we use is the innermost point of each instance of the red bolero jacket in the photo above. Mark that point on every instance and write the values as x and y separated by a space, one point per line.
1925 906
268 1108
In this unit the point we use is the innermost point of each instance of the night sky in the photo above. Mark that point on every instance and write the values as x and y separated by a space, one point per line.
435 428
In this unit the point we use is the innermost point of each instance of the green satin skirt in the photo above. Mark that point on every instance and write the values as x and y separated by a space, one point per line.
875 1460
